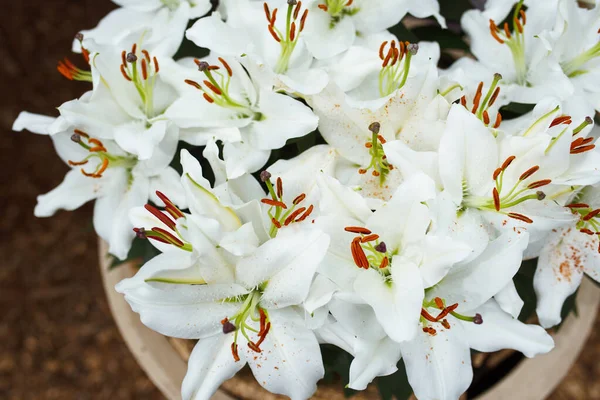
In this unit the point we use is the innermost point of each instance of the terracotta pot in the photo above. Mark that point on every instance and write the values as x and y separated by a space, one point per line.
165 359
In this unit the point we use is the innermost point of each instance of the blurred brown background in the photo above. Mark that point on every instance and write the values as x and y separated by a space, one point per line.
57 336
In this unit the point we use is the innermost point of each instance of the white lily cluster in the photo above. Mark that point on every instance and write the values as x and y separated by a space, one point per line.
396 239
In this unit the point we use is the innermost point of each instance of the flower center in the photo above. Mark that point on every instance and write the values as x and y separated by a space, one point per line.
503 198
368 251
280 214
480 108
395 66
98 152
515 40
171 236
573 67
293 28
72 72
378 164
338 9
215 88
437 303
249 312
142 74
589 219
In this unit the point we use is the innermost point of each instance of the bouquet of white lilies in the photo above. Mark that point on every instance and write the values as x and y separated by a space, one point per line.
309 175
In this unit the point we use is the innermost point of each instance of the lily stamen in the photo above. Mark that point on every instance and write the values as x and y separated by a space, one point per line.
515 40
395 66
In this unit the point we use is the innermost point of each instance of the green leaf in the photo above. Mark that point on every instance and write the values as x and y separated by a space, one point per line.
514 110
395 385
453 10
337 367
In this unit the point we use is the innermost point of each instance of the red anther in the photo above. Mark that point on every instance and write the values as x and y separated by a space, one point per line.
402 49
506 30
263 320
587 140
293 216
591 214
125 73
519 26
375 173
496 196
539 184
212 87
170 206
362 171
134 48
96 142
267 11
384 263
381 49
234 352
227 67
427 316
357 229
565 119
498 121
208 98
486 118
146 55
274 34
497 173
144 69
303 20
429 330
494 32
439 303
576 143
97 149
578 205
477 98
529 172
254 347
369 238
273 17
157 238
193 83
279 185
169 236
523 16
162 217
306 214
381 139
387 59
299 199
86 54
358 254
463 101
395 56
586 231
276 223
89 174
323 7
368 145
520 217
349 3
293 31
274 203
213 67
494 97
297 10
445 324
81 133
446 311
264 335
156 66
102 167
224 320
77 163
583 149
124 57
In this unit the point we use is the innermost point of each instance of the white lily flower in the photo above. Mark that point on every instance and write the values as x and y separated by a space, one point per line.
224 102
567 254
234 286
516 51
334 25
161 23
387 257
272 40
101 170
